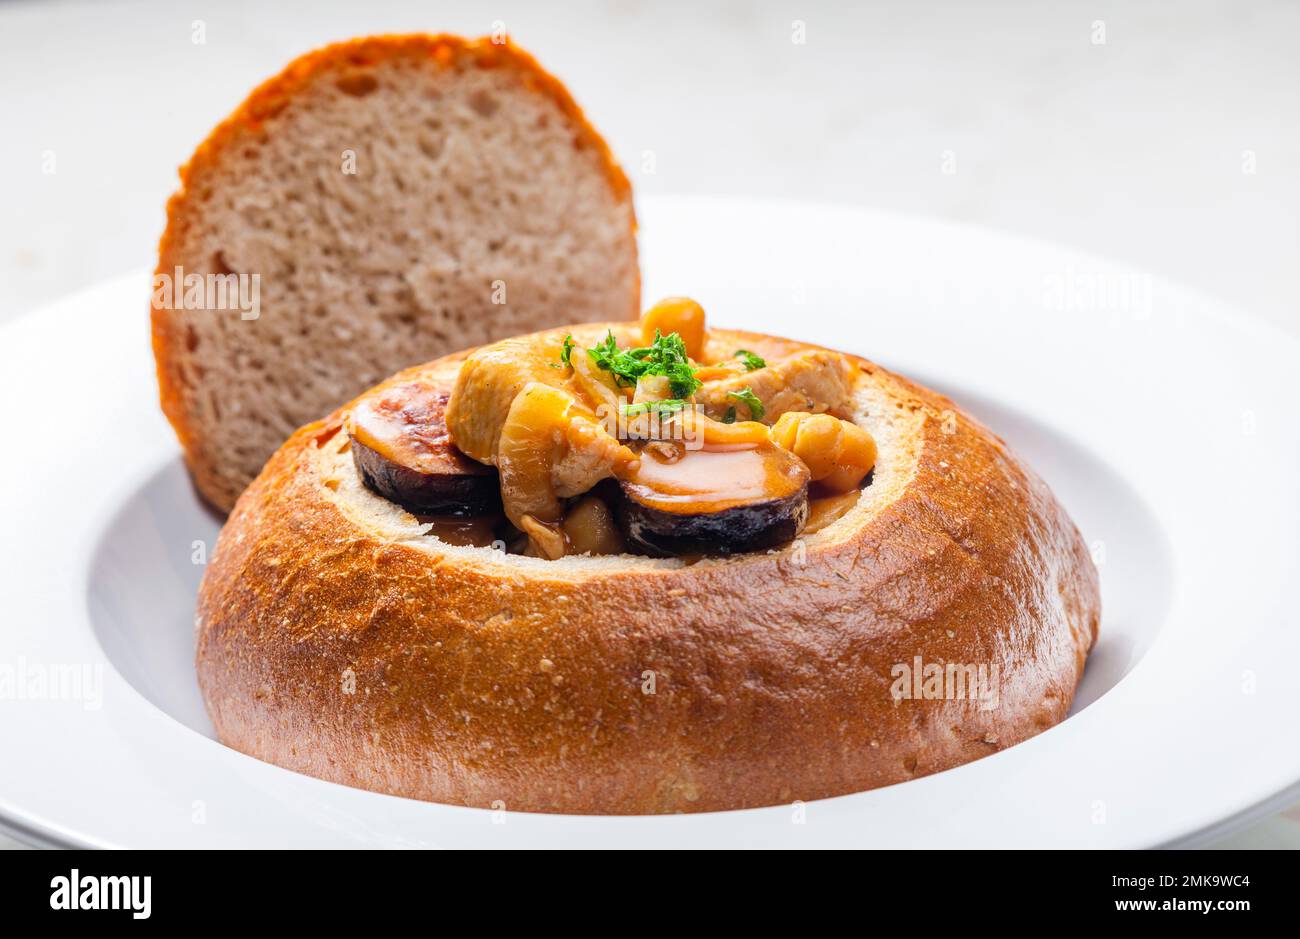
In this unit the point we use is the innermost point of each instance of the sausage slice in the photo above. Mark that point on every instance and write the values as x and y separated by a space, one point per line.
716 500
403 452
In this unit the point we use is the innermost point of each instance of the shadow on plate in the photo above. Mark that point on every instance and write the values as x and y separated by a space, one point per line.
144 576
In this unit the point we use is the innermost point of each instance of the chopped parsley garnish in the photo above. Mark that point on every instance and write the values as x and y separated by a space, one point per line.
751 361
747 397
566 354
605 355
730 416
666 357
666 406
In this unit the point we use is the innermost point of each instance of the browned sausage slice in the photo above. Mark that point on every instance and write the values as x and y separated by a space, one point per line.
715 500
403 452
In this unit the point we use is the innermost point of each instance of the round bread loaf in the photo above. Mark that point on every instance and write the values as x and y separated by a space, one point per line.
381 201
338 638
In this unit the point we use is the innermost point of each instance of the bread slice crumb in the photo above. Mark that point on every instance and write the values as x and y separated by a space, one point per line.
392 199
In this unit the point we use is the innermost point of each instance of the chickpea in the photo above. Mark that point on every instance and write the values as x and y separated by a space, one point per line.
838 453
589 528
679 315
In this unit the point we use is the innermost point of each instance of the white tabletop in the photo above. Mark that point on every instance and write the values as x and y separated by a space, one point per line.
1161 134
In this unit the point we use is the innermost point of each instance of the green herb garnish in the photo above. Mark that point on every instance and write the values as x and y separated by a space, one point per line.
566 350
666 406
605 356
751 361
730 416
666 357
750 400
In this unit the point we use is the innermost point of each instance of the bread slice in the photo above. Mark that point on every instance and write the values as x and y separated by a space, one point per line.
384 201
340 638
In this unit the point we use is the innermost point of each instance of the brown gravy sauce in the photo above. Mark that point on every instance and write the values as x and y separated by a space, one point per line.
824 510
473 532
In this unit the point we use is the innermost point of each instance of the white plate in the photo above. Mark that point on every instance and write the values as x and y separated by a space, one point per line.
1165 423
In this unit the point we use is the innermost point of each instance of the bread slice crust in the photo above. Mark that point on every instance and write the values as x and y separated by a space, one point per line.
338 641
207 452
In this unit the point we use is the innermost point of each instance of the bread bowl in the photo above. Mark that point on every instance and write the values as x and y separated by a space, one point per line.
380 201
343 637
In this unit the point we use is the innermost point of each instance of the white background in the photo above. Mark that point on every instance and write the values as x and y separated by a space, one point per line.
1174 144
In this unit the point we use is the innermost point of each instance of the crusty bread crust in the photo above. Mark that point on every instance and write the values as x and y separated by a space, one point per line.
369 655
219 482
